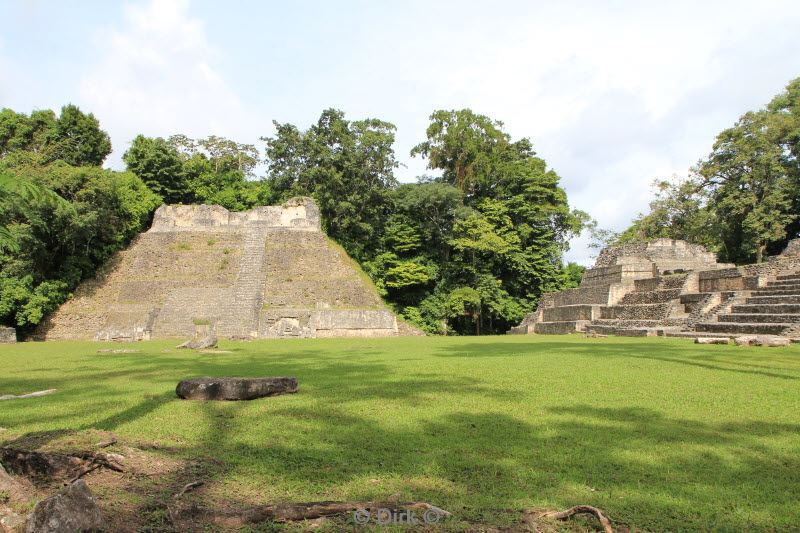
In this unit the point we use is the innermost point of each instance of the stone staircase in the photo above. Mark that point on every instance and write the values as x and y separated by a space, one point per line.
242 311
770 310
233 310
650 309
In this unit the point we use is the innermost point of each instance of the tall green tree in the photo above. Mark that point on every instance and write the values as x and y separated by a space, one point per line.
73 137
75 219
464 145
213 170
160 166
743 200
347 167
750 187
508 239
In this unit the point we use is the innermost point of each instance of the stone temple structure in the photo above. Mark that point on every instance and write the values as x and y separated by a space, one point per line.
673 288
264 273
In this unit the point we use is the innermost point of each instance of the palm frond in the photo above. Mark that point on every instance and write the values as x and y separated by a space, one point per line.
7 241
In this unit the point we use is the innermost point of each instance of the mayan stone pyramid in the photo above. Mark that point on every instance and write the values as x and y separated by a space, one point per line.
264 273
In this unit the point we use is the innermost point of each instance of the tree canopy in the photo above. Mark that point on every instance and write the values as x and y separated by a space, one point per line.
213 170
742 200
348 167
73 137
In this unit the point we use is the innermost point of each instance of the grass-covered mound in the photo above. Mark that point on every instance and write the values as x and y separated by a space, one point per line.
661 434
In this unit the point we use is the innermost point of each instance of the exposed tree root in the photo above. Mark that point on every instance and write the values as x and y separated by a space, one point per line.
48 466
572 511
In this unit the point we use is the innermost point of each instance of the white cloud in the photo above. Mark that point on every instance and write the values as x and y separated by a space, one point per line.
613 95
156 76
5 75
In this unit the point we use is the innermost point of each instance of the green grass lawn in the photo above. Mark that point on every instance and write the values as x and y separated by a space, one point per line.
662 434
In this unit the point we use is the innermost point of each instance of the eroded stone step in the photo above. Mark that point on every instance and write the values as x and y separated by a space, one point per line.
695 334
644 323
570 312
739 328
613 330
793 277
776 292
693 297
628 332
759 318
775 309
785 284
793 299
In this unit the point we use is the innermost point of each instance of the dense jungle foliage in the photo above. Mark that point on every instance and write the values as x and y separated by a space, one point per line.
467 250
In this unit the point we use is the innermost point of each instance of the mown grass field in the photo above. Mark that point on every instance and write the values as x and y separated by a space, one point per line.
662 434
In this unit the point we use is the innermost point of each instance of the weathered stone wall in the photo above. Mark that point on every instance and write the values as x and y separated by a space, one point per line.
571 312
353 323
728 279
751 277
608 275
298 213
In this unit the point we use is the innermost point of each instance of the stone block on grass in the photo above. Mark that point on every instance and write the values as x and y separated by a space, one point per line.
711 340
235 388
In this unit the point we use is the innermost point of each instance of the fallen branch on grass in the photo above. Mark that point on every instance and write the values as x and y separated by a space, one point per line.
90 468
301 511
188 488
29 395
569 513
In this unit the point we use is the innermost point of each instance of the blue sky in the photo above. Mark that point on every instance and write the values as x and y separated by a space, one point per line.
612 94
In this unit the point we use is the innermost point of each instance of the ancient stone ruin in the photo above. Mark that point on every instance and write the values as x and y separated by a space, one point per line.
673 288
7 334
264 273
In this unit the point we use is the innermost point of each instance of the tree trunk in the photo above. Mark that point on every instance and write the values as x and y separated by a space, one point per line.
760 252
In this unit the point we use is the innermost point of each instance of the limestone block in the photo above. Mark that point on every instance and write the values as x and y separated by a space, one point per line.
762 340
711 340
772 340
745 340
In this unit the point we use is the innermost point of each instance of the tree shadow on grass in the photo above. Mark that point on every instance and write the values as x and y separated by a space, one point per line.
645 350
644 469
641 467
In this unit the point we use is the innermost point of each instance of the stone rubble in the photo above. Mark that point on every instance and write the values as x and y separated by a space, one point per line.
71 509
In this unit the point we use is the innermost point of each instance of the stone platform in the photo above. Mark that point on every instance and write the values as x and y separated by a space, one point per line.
631 290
